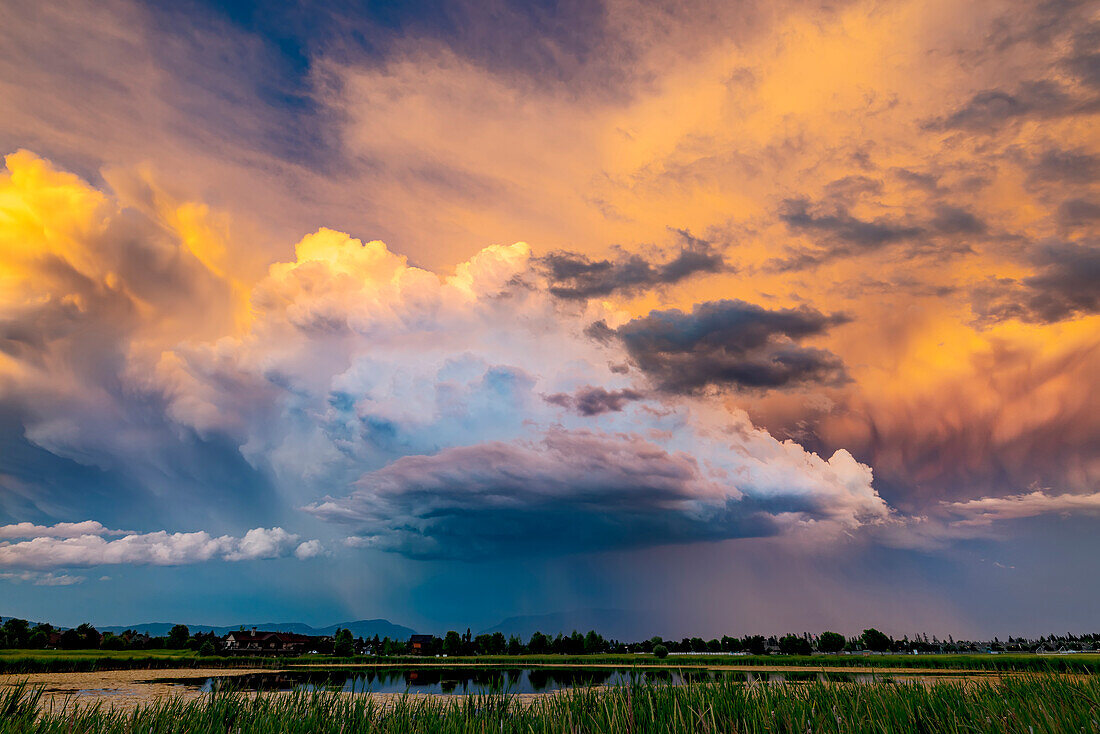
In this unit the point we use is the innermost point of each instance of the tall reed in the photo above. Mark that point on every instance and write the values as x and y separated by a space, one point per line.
1029 704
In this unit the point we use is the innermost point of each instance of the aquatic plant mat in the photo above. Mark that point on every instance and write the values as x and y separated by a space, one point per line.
1028 704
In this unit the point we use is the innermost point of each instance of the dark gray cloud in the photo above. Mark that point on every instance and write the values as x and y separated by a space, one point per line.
852 187
1038 24
591 400
1084 60
989 110
1066 285
841 226
569 492
576 276
953 220
1077 212
728 344
838 233
1055 165
927 181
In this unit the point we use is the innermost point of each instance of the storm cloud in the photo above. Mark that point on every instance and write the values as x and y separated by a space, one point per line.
729 344
586 491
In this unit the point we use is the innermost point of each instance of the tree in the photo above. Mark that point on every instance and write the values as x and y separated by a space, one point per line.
452 644
112 642
794 645
177 637
755 644
17 631
89 638
660 651
539 644
832 642
515 645
731 644
206 649
483 644
875 640
343 644
70 640
593 643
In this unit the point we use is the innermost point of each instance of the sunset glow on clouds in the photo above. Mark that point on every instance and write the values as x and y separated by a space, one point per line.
714 276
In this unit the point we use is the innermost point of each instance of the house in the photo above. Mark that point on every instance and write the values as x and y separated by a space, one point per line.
420 644
253 642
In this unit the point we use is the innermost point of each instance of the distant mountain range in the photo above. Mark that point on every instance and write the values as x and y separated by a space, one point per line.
365 628
611 623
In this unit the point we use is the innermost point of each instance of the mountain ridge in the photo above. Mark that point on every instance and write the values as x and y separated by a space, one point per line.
360 628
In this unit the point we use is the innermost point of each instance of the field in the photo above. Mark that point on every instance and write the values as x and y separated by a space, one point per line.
1031 704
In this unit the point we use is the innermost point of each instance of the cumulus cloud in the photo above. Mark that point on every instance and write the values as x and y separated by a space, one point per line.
351 367
728 344
583 490
58 530
157 548
353 364
309 549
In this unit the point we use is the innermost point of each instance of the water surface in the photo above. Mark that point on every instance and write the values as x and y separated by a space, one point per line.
481 680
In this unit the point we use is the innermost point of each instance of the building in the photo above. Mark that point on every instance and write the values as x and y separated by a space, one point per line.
253 642
420 644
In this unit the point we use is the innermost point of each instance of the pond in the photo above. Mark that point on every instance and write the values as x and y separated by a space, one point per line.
458 680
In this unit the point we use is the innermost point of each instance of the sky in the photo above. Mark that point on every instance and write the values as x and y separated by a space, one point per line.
745 317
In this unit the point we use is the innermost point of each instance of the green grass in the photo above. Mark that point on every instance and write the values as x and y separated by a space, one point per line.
98 654
1033 704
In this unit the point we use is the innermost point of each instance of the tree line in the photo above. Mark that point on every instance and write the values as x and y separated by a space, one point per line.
18 633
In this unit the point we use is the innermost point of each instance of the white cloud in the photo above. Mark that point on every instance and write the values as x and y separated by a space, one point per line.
261 543
59 530
158 548
986 510
42 579
309 549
